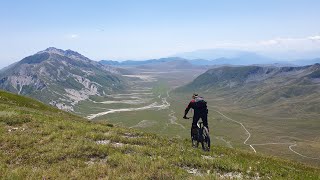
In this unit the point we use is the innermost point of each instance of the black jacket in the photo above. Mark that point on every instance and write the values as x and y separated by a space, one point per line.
199 105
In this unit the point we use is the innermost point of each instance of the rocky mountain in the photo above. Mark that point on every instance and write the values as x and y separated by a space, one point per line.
60 78
254 85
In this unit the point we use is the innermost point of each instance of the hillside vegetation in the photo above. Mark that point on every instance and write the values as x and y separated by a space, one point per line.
38 141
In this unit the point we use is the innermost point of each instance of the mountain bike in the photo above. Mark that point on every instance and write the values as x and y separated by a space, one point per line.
200 135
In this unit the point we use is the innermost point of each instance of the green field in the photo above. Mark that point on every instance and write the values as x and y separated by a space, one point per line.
271 132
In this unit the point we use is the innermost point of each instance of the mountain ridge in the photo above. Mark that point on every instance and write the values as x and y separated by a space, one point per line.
61 78
260 86
243 60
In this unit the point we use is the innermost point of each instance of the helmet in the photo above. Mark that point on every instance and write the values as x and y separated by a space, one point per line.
195 95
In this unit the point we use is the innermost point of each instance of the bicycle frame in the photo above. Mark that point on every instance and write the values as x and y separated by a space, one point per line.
202 137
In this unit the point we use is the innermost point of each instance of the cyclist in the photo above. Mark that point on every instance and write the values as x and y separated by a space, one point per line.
199 105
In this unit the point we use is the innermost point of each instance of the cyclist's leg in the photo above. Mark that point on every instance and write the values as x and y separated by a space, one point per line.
206 144
196 118
194 128
204 118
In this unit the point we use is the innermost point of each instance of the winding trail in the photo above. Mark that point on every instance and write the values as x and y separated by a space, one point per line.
173 120
154 105
290 145
247 132
132 102
164 105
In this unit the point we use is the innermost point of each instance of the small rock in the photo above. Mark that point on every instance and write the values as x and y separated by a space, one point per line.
129 135
117 144
207 157
193 171
103 142
93 161
230 175
13 129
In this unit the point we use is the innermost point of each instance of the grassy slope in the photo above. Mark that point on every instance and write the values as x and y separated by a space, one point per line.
37 141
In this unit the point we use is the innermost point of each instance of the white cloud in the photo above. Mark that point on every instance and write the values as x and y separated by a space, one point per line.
73 36
308 43
314 38
290 41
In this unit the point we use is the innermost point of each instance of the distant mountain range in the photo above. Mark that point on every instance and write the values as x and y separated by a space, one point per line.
212 54
254 61
240 57
60 78
211 57
142 62
226 57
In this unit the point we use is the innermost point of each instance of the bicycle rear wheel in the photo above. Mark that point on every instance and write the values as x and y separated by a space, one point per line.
206 139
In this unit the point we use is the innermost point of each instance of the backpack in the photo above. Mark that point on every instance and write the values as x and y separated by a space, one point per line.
200 103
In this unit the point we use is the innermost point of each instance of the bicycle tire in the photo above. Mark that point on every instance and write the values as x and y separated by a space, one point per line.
194 139
206 140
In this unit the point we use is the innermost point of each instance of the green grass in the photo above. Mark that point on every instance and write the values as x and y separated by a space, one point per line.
37 141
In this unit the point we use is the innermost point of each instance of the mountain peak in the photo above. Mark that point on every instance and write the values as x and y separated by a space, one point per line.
53 50
59 51
68 53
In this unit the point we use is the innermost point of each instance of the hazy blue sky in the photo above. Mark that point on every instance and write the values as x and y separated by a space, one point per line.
139 29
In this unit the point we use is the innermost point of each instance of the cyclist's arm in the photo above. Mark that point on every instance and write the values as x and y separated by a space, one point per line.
188 108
